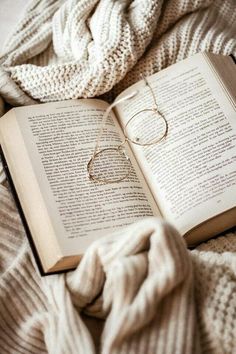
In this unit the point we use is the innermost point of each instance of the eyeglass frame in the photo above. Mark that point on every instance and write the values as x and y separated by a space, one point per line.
127 139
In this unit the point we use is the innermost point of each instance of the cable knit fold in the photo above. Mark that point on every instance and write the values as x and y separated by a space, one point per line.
146 290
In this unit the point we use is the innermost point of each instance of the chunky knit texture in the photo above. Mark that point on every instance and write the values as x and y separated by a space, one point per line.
147 292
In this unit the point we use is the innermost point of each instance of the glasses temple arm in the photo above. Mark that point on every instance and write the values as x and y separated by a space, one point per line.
147 83
106 114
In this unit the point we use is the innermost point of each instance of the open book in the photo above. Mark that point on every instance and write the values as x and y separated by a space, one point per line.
189 178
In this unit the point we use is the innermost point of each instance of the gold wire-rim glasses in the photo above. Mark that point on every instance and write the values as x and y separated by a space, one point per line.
120 148
150 143
104 180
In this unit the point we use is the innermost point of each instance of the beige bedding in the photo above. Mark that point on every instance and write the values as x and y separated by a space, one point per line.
153 295
11 13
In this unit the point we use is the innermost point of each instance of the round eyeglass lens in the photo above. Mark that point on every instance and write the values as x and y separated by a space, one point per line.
146 127
109 166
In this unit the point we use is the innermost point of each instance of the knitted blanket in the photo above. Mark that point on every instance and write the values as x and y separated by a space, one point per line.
144 292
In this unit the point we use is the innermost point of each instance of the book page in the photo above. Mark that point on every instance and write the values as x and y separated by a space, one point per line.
60 139
192 173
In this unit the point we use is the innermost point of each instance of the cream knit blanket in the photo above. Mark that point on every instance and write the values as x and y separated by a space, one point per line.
148 293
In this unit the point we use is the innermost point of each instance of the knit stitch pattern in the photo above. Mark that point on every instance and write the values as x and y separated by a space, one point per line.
141 283
93 49
145 291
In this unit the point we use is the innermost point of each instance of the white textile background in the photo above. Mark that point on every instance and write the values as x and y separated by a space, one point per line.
153 294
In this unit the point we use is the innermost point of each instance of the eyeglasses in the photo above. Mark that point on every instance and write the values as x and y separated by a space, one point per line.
146 127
